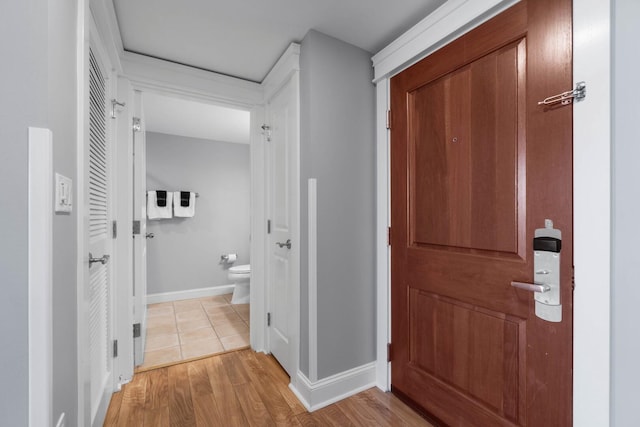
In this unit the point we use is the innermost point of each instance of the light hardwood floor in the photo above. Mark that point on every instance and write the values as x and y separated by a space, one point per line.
241 388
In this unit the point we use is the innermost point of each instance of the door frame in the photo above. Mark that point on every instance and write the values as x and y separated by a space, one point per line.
136 166
181 87
164 78
123 255
592 193
152 75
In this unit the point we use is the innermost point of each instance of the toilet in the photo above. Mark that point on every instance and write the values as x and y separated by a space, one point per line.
239 276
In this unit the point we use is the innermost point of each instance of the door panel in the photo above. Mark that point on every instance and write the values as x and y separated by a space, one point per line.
98 234
469 348
476 167
283 121
460 197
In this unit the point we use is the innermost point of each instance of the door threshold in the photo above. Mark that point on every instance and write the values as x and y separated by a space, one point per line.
140 368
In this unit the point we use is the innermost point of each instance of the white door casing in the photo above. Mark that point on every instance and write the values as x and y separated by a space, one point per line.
283 241
123 264
139 239
257 306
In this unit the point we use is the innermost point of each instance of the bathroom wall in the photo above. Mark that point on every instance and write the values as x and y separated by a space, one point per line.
337 147
185 252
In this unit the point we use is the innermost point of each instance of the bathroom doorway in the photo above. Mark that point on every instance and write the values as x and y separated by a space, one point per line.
201 149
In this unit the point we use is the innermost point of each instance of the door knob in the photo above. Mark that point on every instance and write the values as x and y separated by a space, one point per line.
533 287
103 260
287 244
150 236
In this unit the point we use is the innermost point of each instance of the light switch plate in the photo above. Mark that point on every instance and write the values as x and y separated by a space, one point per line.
64 192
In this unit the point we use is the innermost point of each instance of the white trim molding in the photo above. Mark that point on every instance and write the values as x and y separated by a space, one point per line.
449 21
279 75
315 395
123 245
82 97
383 253
180 81
188 294
40 277
104 16
257 295
592 214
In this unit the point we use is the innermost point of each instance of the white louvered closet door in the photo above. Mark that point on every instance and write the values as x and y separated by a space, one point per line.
99 233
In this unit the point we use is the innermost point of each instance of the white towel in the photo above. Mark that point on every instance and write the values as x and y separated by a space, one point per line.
184 211
158 212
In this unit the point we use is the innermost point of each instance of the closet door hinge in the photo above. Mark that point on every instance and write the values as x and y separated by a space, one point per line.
266 131
268 319
136 227
389 352
115 348
389 117
388 236
268 226
136 330
114 229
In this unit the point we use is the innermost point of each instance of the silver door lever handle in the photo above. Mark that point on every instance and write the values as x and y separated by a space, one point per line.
287 244
533 287
103 260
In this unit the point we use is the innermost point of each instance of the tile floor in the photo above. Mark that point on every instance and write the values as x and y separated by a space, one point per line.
188 329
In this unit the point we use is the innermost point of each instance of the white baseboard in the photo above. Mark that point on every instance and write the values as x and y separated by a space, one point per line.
324 392
188 294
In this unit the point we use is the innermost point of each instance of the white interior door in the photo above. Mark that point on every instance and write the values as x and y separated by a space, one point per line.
98 235
139 236
282 249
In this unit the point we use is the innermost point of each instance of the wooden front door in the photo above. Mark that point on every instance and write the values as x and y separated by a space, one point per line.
477 165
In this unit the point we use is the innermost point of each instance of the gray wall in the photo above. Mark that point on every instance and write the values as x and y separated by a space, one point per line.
337 148
23 48
38 88
185 252
62 122
625 341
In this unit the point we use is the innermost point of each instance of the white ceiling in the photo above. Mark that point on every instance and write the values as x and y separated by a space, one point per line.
244 39
177 116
